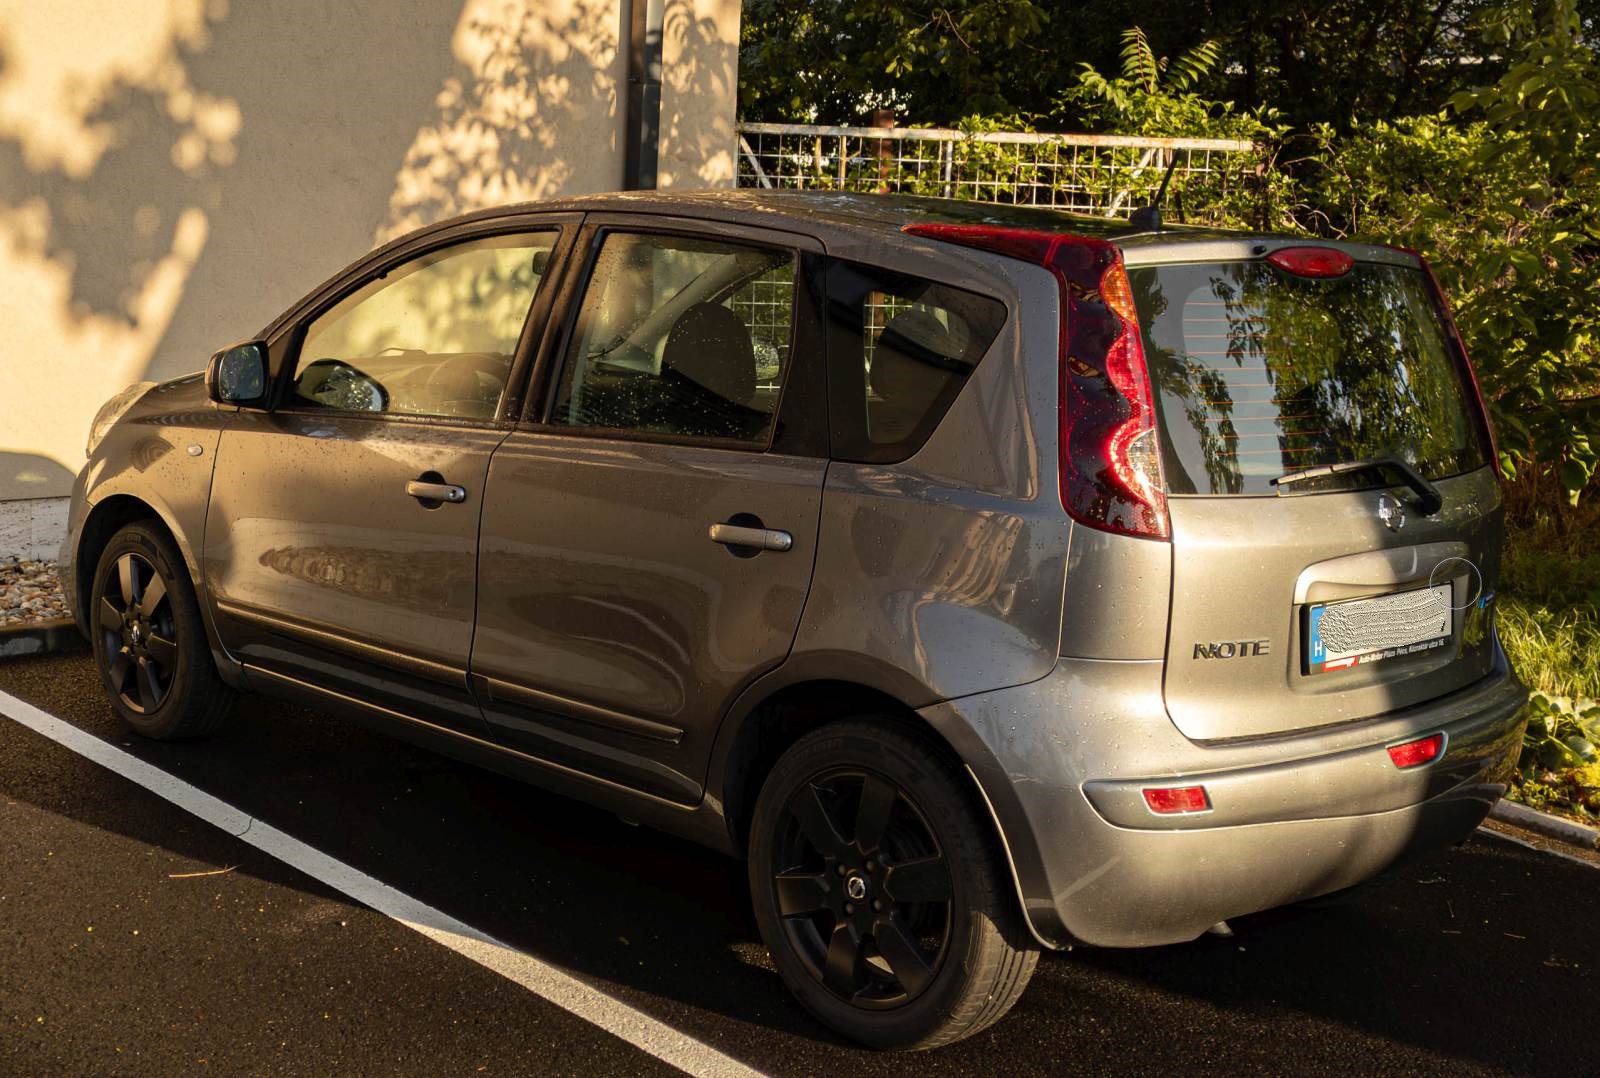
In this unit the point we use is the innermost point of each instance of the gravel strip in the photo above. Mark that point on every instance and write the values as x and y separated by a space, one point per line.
29 592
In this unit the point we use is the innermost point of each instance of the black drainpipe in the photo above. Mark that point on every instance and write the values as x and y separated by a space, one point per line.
643 131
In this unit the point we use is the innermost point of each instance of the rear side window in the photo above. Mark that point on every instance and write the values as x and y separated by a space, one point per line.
1258 373
899 350
680 336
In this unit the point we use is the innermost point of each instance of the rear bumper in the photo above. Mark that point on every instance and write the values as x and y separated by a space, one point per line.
1062 762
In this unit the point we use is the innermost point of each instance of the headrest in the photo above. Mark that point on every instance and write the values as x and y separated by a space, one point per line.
913 359
710 346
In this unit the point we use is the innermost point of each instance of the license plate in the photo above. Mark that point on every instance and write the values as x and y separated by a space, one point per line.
1356 632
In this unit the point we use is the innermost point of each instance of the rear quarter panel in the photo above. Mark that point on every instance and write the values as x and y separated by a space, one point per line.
942 575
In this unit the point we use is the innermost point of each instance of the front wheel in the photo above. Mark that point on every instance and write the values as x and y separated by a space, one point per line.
155 661
879 891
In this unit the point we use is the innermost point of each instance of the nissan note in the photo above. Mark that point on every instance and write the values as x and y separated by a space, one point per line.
991 579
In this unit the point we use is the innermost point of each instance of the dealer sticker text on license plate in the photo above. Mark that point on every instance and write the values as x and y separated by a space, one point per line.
1360 631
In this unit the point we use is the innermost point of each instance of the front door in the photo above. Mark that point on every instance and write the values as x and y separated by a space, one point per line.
647 546
341 541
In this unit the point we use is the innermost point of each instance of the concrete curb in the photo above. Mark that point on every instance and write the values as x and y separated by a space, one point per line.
39 638
1543 823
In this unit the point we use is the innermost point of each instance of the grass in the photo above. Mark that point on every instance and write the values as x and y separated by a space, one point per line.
1549 621
1549 606
1553 649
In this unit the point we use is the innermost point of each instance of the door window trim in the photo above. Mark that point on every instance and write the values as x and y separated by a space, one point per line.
284 344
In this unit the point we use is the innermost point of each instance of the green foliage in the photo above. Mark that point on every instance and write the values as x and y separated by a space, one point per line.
835 61
1562 732
1560 764
1548 610
1551 647
829 61
1502 194
1157 96
1548 616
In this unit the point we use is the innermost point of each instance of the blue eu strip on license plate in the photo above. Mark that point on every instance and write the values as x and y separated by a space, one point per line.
1356 632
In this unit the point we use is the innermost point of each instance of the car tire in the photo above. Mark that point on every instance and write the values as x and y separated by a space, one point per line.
879 889
149 641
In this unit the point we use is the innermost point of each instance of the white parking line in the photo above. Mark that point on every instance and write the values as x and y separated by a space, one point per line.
542 979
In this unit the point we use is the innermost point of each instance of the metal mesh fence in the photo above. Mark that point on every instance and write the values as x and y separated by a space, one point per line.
1098 174
766 305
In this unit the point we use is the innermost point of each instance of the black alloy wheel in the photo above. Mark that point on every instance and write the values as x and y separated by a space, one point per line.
138 632
880 887
149 637
864 890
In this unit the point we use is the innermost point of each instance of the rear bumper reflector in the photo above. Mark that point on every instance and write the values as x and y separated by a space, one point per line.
1171 800
1424 750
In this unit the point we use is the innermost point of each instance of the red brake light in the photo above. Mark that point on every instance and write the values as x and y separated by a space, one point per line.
1110 460
1169 801
1416 753
1442 302
1312 261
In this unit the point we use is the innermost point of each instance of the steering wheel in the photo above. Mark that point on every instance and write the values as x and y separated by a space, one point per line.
470 384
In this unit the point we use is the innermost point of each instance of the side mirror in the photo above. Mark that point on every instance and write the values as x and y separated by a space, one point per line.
238 374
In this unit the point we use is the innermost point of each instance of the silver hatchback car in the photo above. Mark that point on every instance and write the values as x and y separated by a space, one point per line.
992 579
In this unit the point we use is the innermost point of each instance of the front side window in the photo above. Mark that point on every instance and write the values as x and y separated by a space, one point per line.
680 336
434 336
899 350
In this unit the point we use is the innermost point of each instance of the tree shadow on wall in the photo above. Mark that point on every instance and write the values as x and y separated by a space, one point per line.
535 114
348 122
700 67
115 224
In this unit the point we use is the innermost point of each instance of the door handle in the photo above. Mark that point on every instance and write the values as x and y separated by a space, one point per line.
424 491
755 538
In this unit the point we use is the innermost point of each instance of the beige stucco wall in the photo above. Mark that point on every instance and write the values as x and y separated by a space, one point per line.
173 173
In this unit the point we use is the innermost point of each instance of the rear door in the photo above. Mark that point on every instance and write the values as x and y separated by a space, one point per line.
1333 597
649 534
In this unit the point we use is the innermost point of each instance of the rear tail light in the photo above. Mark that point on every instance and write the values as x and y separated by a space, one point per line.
1110 458
1175 800
1447 316
1312 261
1424 750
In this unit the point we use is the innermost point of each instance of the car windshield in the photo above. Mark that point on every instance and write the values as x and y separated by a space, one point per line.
1259 373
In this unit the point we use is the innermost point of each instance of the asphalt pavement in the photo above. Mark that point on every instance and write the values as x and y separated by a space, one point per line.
137 939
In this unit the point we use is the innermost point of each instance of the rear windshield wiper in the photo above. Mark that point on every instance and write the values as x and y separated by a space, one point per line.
1429 500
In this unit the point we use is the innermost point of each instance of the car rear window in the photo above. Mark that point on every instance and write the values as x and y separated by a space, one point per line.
1259 373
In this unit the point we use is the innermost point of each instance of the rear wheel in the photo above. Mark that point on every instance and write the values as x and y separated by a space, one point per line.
879 891
155 661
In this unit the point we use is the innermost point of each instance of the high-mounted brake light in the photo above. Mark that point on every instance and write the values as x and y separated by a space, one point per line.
1110 460
1320 262
1424 750
1447 316
1173 800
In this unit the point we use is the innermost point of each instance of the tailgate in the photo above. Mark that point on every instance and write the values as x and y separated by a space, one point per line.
1260 372
1246 580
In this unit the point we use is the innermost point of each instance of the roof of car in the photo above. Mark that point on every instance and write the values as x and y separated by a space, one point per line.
889 212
